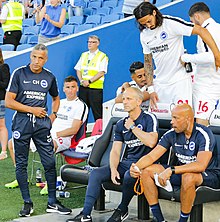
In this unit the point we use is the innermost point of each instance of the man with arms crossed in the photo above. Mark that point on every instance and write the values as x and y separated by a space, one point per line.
162 38
194 148
206 86
27 94
138 132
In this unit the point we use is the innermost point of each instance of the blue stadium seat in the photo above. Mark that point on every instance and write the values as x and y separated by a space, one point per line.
88 11
33 40
111 4
67 30
118 10
28 22
110 18
94 4
162 2
83 27
32 30
23 39
1 32
1 39
7 47
76 20
23 46
103 11
93 19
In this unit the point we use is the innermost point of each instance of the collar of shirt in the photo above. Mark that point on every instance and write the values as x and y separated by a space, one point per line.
207 21
92 54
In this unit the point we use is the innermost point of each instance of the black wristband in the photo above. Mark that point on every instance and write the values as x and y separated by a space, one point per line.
55 113
90 81
172 169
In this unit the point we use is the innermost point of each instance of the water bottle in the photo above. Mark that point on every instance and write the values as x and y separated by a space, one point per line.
62 194
38 176
188 65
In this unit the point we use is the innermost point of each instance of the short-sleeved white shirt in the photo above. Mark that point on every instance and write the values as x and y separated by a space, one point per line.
166 45
103 65
69 111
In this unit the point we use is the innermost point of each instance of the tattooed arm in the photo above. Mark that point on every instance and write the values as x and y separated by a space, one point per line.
148 66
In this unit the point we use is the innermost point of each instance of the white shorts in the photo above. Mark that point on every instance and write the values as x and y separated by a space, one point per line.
176 93
204 102
63 143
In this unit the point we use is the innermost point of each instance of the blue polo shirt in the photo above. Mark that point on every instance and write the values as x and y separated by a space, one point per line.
135 149
186 150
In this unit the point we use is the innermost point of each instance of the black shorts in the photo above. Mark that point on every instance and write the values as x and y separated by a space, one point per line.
210 178
12 37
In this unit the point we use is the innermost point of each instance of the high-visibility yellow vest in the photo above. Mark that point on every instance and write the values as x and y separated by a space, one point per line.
91 68
14 18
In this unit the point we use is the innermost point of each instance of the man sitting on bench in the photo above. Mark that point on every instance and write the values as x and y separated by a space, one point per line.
139 132
196 162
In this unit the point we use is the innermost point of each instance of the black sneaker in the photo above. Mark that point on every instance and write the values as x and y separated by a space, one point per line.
27 209
80 218
57 207
118 216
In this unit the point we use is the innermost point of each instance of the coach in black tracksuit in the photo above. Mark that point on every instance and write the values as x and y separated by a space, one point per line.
27 94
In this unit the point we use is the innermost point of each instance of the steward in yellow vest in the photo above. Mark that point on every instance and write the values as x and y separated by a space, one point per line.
91 69
11 19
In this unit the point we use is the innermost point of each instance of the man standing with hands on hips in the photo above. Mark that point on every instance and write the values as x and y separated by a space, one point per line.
27 94
90 69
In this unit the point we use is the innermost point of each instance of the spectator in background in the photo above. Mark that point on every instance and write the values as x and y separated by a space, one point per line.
11 18
129 6
52 18
139 81
4 80
206 87
75 7
162 38
91 69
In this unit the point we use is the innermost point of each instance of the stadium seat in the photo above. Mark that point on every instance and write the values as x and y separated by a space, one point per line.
31 30
7 47
76 20
103 11
94 4
67 30
118 10
110 18
23 39
88 11
93 19
23 46
28 22
33 40
83 27
1 39
1 32
111 4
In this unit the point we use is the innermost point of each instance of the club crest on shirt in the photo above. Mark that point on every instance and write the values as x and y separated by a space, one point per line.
43 83
140 126
16 134
191 146
68 108
163 35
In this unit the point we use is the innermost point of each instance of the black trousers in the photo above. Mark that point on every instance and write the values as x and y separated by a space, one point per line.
94 99
12 37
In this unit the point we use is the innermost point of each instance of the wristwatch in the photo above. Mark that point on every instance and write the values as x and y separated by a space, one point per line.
90 81
55 114
172 169
132 127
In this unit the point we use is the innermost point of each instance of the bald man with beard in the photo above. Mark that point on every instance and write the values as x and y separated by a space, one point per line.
195 162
